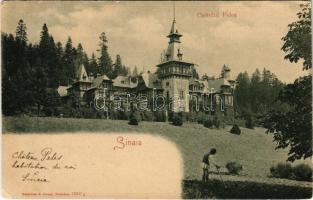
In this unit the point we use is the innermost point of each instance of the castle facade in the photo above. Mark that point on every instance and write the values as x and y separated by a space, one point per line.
172 87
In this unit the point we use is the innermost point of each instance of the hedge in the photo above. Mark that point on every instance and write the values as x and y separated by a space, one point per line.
195 189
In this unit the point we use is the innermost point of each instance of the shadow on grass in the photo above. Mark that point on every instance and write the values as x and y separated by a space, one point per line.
195 189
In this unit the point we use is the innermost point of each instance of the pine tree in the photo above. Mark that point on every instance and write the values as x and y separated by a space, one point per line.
135 71
242 94
93 65
80 53
21 34
256 90
105 62
39 81
61 71
118 67
125 71
44 43
48 57
53 65
69 61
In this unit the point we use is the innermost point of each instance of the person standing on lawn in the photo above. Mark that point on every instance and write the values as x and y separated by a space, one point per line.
207 161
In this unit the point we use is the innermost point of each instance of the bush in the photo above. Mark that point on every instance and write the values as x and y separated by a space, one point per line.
88 113
201 117
133 121
177 120
136 115
68 111
159 116
147 116
281 170
48 111
249 123
208 123
302 172
215 189
233 167
190 116
235 130
123 115
216 122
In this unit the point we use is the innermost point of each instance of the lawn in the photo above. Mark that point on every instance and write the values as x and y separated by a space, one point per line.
254 149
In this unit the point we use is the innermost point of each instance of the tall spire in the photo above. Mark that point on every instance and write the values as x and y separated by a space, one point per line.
173 10
173 50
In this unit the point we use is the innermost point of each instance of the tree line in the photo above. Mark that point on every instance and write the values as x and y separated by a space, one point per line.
31 73
255 95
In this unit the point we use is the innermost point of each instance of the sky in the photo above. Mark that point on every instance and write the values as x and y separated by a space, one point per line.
242 35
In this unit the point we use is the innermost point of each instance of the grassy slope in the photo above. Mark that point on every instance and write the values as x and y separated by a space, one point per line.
254 149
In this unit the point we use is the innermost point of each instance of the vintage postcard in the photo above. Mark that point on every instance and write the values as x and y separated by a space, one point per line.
156 100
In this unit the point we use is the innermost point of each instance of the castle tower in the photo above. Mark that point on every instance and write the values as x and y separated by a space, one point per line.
225 73
175 73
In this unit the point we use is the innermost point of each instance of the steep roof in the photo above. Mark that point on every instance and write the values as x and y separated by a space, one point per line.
173 51
98 80
216 84
151 80
124 81
82 73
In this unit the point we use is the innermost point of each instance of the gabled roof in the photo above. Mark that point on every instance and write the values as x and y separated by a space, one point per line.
124 81
97 81
82 74
151 80
216 84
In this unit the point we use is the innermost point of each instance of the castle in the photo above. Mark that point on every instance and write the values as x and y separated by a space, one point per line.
173 79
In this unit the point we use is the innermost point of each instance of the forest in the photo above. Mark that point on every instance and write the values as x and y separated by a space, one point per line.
31 73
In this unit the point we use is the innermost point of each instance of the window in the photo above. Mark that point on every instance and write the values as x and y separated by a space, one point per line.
167 83
181 94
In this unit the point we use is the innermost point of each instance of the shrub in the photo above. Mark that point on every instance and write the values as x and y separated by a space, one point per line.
88 113
281 170
190 116
249 123
208 123
302 172
201 117
123 115
235 130
159 116
147 116
101 114
136 115
68 111
233 167
216 122
48 111
133 121
177 120
215 189
113 114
